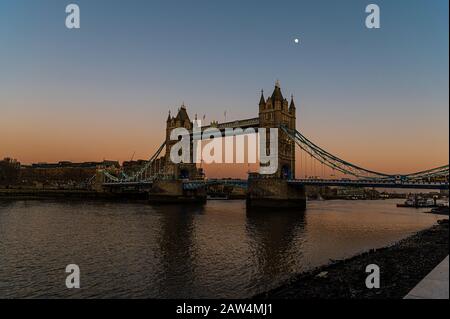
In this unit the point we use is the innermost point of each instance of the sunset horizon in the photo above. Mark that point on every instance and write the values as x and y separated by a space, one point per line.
377 99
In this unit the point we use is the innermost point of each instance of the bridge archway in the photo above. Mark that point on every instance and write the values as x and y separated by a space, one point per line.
184 174
286 172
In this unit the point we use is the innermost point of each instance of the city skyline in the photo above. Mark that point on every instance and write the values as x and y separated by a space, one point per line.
378 98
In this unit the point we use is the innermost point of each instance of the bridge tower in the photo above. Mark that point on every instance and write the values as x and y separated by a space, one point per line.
275 191
182 170
171 188
273 112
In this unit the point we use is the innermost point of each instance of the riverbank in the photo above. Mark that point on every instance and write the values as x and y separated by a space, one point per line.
402 267
442 210
32 194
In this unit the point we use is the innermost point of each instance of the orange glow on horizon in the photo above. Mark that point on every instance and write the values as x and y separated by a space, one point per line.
38 144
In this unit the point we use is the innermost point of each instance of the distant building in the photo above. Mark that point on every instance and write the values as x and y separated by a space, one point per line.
9 171
67 164
64 174
132 166
350 192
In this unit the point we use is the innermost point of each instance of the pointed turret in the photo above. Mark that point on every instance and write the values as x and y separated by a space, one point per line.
262 101
292 105
277 96
182 114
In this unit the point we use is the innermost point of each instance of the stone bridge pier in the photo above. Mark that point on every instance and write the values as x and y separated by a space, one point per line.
275 193
172 191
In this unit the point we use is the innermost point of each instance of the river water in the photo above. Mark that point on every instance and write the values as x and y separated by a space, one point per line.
134 250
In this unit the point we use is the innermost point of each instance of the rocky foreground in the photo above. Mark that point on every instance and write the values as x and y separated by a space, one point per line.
402 267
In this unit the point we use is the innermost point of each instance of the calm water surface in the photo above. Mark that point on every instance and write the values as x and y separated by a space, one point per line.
218 250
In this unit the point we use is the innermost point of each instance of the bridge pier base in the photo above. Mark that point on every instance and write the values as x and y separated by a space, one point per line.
275 193
172 192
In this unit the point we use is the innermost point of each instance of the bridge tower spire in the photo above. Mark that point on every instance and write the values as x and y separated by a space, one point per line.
262 101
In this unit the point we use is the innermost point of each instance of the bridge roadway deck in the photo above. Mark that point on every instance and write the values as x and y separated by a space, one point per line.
310 182
371 183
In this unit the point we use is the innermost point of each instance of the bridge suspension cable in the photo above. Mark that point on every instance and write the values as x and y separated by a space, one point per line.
139 175
348 168
442 171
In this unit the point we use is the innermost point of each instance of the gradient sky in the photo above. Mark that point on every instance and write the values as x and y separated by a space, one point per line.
377 98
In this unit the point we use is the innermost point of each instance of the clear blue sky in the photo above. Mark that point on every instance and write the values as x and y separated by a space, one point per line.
133 60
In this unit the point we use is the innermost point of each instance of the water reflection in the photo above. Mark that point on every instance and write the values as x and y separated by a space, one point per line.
134 250
178 249
273 235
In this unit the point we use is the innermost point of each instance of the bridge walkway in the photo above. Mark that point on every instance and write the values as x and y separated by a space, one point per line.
435 285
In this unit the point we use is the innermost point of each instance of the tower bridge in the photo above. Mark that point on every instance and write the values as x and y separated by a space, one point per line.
168 181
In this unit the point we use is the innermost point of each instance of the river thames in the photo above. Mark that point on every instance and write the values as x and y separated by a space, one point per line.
219 250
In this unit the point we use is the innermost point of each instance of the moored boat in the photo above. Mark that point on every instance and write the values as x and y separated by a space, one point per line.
419 202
